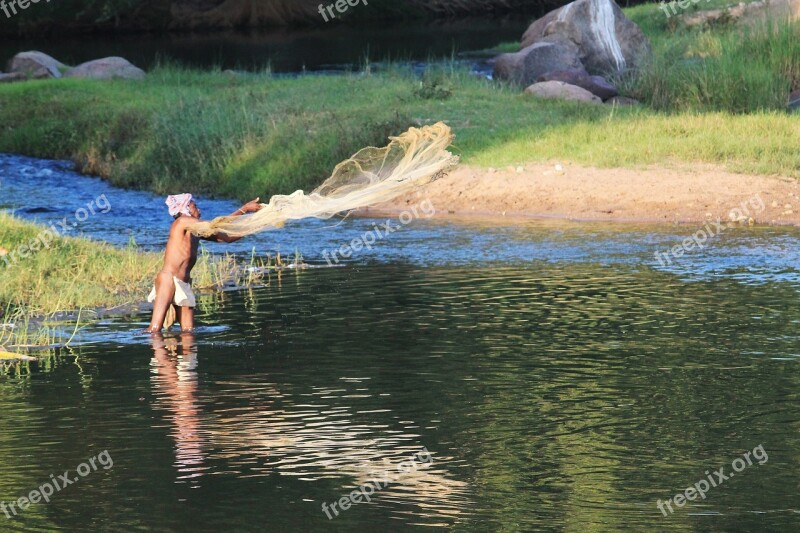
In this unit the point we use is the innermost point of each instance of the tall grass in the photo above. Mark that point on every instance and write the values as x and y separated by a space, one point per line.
71 273
736 69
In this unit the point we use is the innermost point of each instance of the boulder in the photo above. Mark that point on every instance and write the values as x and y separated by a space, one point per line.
794 101
558 90
106 69
622 101
597 85
8 78
35 64
525 66
609 42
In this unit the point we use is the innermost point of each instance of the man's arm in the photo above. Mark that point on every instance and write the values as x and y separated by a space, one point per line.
250 207
220 237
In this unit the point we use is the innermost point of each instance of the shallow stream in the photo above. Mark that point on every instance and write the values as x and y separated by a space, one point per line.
553 376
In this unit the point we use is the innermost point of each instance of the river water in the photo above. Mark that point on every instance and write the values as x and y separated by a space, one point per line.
331 48
531 376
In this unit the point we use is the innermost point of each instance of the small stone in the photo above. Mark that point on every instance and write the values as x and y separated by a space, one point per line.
787 206
520 170
597 85
774 204
556 90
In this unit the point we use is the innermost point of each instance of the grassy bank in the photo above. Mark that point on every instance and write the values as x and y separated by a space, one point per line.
68 275
713 96
75 273
71 273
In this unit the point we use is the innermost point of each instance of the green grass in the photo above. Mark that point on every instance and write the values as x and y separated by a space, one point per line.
728 68
72 273
256 135
712 96
67 275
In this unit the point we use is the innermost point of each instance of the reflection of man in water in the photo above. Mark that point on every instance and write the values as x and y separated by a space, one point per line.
174 369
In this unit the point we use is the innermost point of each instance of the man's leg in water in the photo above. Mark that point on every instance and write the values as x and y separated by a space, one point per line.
165 293
187 319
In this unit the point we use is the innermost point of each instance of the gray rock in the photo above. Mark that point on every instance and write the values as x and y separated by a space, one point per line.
525 66
608 41
558 90
106 69
596 85
35 64
794 102
538 29
12 77
622 101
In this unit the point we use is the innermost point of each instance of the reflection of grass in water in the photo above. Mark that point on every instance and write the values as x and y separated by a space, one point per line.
18 330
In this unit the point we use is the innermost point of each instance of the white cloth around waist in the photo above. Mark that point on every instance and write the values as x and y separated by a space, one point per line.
184 295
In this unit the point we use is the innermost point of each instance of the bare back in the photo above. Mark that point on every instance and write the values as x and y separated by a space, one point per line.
181 253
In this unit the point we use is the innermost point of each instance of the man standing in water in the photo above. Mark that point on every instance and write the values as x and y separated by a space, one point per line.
173 288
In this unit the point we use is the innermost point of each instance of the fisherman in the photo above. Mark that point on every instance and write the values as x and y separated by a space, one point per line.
173 285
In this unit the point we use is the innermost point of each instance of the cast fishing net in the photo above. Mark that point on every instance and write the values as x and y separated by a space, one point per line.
372 176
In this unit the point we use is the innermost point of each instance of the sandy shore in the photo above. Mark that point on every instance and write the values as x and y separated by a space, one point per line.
579 193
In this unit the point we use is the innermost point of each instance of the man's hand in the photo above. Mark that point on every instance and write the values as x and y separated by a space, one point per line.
252 207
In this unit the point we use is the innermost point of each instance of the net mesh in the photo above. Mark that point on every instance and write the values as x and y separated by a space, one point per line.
372 176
